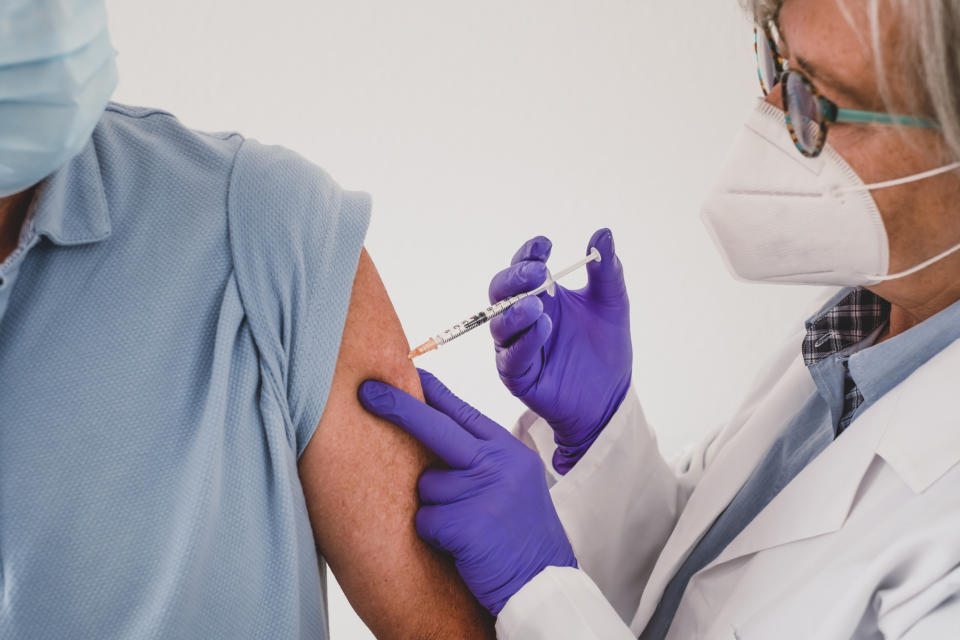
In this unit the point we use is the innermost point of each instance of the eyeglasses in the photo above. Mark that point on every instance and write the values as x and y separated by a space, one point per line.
809 113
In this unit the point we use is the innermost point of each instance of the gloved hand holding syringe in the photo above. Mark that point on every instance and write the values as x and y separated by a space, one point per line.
482 317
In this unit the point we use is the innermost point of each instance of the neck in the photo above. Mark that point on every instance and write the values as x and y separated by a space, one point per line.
919 297
13 211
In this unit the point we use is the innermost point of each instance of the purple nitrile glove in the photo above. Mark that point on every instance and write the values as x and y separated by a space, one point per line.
567 357
491 510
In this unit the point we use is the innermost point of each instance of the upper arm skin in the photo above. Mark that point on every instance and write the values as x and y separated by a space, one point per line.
359 477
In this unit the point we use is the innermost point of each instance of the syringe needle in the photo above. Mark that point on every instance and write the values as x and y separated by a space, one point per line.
482 317
426 347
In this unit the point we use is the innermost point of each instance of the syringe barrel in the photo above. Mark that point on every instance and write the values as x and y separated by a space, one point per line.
483 317
477 319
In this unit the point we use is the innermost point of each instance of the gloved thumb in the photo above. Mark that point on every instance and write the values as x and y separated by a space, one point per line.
605 278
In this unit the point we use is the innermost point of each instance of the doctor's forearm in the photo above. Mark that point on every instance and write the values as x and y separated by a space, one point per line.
624 488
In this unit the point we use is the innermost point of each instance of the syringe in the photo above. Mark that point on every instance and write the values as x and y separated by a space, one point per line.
482 317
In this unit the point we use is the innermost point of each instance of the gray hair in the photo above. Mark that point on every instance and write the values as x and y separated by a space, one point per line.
932 47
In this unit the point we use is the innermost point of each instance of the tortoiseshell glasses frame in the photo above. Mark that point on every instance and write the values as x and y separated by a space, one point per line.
810 114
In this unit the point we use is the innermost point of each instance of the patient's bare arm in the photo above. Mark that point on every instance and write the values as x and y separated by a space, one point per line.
359 477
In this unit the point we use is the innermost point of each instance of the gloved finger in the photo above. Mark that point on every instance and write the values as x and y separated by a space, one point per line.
434 524
506 328
605 278
519 364
456 446
444 400
444 486
533 249
517 278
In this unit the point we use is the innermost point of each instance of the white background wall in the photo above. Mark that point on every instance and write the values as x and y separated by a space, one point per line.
476 125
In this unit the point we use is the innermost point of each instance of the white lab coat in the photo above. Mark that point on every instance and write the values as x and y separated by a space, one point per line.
864 543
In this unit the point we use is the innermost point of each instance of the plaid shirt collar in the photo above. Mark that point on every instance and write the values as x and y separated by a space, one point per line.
842 325
851 318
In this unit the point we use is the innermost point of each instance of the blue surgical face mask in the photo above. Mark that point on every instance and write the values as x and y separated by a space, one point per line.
57 73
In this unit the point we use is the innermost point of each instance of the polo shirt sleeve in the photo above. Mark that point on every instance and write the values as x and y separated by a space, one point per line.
296 238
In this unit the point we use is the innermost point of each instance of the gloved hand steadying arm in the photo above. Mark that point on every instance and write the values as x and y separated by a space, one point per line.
568 357
492 510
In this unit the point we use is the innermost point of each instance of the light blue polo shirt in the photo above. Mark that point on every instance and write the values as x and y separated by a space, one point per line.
168 333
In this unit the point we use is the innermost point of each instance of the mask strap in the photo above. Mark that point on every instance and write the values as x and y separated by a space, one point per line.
920 267
894 183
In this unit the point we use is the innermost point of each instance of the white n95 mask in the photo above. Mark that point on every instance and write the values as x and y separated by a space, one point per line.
57 73
777 216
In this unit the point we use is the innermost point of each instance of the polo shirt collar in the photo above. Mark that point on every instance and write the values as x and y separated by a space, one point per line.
70 206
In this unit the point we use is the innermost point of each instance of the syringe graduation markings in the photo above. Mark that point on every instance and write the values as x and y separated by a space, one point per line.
482 317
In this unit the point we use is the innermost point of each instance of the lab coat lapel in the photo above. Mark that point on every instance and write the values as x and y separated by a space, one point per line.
923 440
819 498
913 427
725 476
